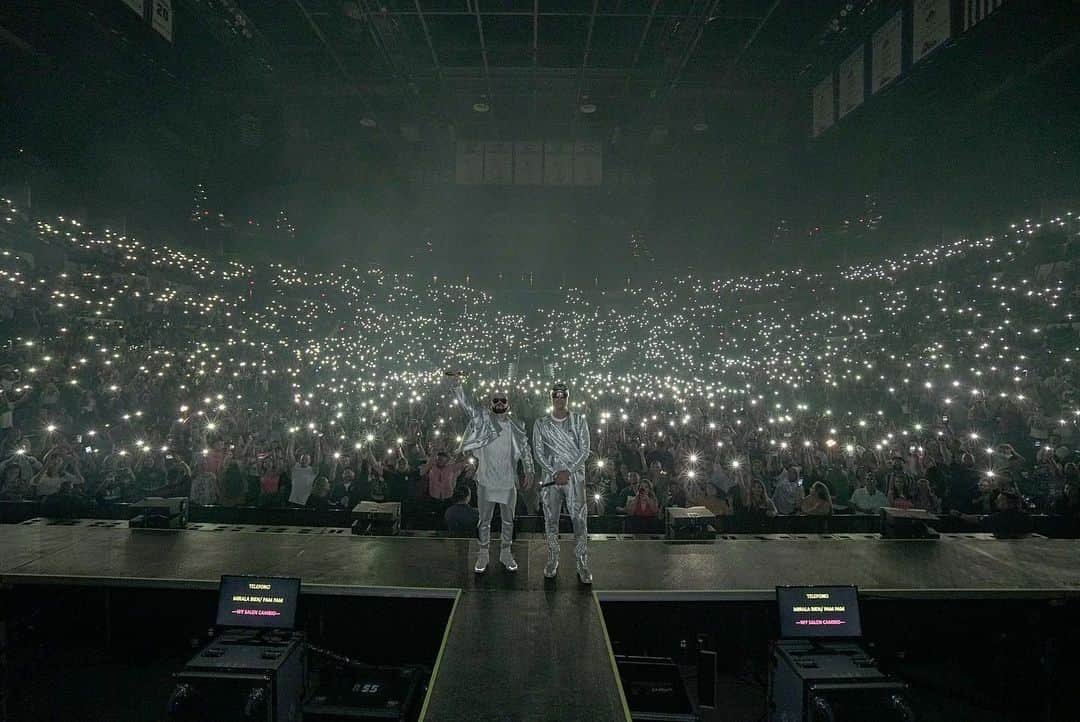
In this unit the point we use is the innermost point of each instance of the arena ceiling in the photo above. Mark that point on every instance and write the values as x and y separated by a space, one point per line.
483 68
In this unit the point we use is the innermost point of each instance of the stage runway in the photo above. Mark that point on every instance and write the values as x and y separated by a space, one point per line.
517 647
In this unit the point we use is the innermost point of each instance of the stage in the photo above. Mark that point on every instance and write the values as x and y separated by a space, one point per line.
516 646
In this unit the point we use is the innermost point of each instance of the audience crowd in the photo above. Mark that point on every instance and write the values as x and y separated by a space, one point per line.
943 380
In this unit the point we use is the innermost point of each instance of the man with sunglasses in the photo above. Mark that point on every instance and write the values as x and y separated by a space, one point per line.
498 443
561 443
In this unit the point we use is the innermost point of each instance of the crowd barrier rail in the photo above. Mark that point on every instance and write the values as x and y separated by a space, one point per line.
15 512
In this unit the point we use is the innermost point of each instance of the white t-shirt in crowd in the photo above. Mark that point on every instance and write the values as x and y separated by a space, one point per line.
303 478
49 485
866 502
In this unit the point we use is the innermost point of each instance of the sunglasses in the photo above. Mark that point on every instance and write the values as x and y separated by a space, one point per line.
500 401
558 394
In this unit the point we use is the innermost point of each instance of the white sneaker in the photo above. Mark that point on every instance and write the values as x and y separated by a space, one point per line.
507 560
583 572
481 561
552 566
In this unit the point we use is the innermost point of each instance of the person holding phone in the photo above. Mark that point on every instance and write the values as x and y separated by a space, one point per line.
59 468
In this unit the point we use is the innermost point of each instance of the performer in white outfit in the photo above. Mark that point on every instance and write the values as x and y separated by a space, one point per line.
561 443
498 443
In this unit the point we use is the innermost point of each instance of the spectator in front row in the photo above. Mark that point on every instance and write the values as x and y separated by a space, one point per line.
868 499
204 489
788 494
15 477
397 481
1068 504
720 477
347 493
303 477
1008 522
440 476
269 481
925 498
642 503
718 501
839 486
319 499
963 484
58 469
461 519
66 502
817 502
616 493
899 497
754 515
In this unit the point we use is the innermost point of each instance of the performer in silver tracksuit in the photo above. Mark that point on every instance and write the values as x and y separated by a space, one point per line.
498 443
561 443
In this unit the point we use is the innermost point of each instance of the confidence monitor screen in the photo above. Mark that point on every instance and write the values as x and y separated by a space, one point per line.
819 612
265 602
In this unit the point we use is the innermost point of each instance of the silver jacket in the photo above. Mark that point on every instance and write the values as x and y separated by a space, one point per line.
483 428
555 452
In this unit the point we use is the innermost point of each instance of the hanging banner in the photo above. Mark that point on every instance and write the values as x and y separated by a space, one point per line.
137 6
930 27
528 163
850 82
588 168
824 112
161 17
498 162
558 163
886 53
470 162
975 11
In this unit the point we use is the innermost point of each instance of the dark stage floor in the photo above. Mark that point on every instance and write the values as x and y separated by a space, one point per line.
517 647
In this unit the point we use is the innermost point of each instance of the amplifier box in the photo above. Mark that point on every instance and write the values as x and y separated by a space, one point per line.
233 678
155 512
813 681
695 522
654 690
362 692
377 519
908 524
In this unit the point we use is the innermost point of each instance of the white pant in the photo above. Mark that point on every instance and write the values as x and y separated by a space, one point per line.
487 511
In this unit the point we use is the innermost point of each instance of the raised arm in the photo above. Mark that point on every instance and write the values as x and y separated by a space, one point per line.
376 465
459 394
290 450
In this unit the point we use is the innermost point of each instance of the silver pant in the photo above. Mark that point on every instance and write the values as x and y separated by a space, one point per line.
487 511
552 498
